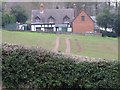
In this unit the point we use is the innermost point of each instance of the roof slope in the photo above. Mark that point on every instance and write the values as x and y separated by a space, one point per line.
57 14
82 10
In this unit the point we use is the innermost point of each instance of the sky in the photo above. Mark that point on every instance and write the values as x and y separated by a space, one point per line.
58 0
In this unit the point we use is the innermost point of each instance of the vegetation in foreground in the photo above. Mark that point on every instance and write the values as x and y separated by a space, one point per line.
36 68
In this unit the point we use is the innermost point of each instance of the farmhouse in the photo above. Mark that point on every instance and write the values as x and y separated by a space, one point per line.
52 20
61 20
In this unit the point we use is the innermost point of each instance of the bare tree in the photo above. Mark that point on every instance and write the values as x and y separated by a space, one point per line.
96 8
109 4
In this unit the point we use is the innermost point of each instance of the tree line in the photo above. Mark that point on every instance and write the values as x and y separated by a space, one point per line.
106 18
14 15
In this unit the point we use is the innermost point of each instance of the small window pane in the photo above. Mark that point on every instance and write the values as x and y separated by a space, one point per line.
83 18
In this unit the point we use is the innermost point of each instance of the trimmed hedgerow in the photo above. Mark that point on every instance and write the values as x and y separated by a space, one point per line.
37 68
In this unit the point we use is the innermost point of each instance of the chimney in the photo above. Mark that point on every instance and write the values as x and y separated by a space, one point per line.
57 7
75 10
41 7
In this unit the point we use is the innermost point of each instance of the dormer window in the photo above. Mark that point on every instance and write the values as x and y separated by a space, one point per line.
51 19
37 19
66 19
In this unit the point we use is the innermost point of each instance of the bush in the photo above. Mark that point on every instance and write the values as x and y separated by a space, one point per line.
7 19
38 68
109 34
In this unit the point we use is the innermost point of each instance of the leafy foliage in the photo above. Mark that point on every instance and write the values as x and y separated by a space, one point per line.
105 19
0 18
109 34
7 19
38 68
116 24
19 13
109 20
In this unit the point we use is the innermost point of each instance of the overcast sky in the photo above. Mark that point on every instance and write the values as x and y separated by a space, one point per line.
59 0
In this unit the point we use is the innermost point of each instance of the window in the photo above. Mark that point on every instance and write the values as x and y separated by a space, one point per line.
37 19
82 18
66 19
51 19
38 29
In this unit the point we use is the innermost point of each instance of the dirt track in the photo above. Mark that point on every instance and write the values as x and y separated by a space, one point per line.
78 45
68 47
57 43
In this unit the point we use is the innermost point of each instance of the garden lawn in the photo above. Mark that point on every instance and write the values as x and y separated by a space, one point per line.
92 46
29 38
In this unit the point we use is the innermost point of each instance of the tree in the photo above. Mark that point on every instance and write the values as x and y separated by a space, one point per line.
116 24
105 19
19 13
96 8
0 19
7 19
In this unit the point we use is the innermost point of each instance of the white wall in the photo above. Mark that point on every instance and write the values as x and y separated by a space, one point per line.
69 29
43 29
21 27
33 28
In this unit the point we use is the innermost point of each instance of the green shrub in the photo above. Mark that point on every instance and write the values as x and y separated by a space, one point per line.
108 34
38 68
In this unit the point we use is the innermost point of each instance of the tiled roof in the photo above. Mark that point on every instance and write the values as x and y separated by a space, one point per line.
57 14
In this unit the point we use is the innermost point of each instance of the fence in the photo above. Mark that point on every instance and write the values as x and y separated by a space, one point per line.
11 27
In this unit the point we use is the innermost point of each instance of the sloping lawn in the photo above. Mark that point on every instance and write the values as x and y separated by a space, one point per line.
92 46
29 38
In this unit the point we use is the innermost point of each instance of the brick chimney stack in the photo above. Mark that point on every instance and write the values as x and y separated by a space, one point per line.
75 10
41 7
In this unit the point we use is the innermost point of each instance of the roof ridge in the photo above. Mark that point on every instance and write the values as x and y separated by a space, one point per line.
58 14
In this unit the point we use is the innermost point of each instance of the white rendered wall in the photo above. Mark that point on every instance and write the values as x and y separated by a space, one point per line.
43 29
32 28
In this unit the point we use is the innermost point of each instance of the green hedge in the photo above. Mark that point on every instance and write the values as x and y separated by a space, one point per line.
108 34
36 68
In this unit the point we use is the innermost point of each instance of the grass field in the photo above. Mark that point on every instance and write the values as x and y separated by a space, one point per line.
92 46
